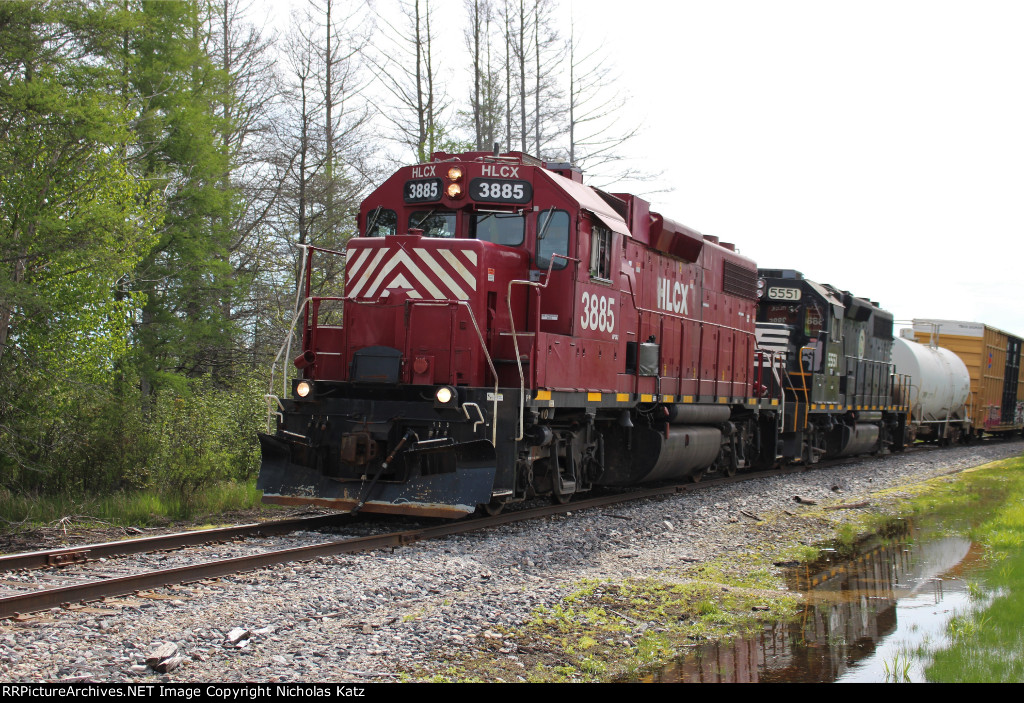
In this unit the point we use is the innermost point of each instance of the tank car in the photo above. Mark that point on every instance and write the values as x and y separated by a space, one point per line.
938 392
509 332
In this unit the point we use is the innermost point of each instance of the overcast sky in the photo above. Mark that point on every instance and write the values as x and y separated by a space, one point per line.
876 145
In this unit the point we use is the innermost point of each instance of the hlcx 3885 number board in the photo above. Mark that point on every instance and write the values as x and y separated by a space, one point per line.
426 190
500 191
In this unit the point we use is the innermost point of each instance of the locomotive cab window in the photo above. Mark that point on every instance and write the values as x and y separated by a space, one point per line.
601 253
782 314
381 222
552 238
434 223
814 320
505 228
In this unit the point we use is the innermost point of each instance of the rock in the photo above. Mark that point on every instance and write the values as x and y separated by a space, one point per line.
237 634
161 652
169 664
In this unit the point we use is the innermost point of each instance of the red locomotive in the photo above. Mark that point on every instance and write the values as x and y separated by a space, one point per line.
510 332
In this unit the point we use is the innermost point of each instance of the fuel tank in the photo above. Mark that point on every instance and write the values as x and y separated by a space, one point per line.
667 453
940 383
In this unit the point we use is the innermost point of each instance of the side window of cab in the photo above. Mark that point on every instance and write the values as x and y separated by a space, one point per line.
601 253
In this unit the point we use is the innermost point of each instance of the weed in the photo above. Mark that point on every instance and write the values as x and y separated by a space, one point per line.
897 670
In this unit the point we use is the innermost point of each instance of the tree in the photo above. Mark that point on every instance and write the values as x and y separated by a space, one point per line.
74 221
596 134
485 116
548 54
533 53
409 72
323 156
188 278
246 107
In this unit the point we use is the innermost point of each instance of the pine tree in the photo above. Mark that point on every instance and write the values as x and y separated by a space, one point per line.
188 279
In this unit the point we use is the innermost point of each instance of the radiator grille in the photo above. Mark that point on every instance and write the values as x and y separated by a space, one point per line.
739 281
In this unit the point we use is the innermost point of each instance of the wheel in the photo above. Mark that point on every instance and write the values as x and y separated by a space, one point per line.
491 509
729 470
697 476
560 498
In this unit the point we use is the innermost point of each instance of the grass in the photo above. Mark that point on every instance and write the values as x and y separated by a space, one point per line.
139 508
605 630
897 670
985 643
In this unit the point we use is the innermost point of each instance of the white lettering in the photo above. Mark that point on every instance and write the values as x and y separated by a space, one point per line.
598 313
423 171
674 296
499 171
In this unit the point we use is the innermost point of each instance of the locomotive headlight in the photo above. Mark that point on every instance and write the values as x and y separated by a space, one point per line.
454 173
454 190
302 389
446 397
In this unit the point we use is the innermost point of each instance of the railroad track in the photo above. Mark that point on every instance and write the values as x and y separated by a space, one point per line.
60 577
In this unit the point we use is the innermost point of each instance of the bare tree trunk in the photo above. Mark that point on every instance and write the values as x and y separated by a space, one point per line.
477 106
7 308
521 55
508 81
537 79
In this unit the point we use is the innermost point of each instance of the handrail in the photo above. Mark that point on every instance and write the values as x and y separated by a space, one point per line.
515 337
803 380
284 351
773 365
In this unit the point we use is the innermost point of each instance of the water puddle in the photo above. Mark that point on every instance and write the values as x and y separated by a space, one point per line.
863 610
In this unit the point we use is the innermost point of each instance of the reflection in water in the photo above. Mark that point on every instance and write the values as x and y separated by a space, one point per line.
859 612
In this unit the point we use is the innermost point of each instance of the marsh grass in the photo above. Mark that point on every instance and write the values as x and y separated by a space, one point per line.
897 670
985 643
19 511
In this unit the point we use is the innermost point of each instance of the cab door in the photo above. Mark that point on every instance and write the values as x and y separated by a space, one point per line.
555 240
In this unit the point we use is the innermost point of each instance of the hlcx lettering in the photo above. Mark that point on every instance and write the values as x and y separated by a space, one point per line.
499 171
673 296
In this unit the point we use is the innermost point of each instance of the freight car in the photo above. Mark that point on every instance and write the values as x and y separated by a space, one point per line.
938 393
511 332
992 357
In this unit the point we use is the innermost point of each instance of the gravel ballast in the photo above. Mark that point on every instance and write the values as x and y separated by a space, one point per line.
387 615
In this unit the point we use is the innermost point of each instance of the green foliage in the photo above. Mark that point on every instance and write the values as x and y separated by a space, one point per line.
188 278
205 435
983 642
128 508
119 366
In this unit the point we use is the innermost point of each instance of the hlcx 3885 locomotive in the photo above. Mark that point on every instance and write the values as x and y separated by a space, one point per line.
510 332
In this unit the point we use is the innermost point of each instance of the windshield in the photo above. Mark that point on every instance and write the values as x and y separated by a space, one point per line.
434 223
499 227
381 222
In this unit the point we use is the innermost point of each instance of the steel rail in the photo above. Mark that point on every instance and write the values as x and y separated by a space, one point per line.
13 606
72 555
